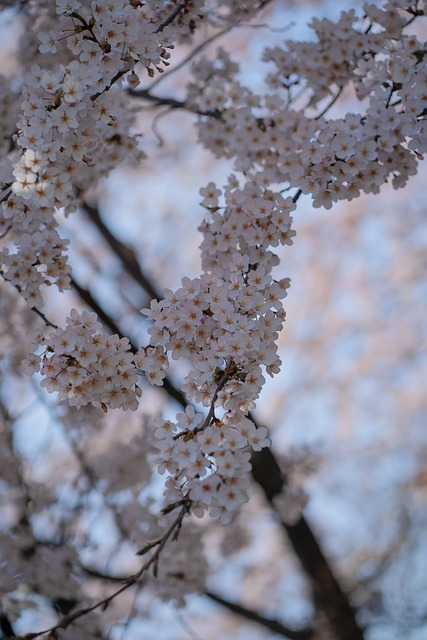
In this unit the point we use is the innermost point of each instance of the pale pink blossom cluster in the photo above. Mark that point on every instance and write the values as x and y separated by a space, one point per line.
332 59
226 322
331 159
85 365
75 125
40 259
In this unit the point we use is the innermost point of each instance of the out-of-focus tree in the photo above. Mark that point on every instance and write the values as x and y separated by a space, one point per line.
121 518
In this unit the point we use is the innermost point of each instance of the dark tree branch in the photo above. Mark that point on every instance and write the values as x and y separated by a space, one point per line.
5 626
124 253
88 299
269 623
327 592
172 103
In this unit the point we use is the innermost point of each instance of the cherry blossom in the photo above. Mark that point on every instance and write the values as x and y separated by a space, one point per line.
73 124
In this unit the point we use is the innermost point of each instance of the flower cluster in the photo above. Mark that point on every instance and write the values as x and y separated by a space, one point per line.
329 159
226 322
75 125
329 61
40 259
85 365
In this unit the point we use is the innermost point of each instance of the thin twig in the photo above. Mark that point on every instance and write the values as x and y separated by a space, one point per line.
210 414
172 16
202 46
172 103
191 55
41 315
330 104
297 196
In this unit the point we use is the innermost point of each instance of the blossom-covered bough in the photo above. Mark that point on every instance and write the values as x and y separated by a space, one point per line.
75 125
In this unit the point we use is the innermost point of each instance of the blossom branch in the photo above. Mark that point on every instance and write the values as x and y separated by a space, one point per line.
235 306
249 614
152 562
190 57
267 473
90 301
126 70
